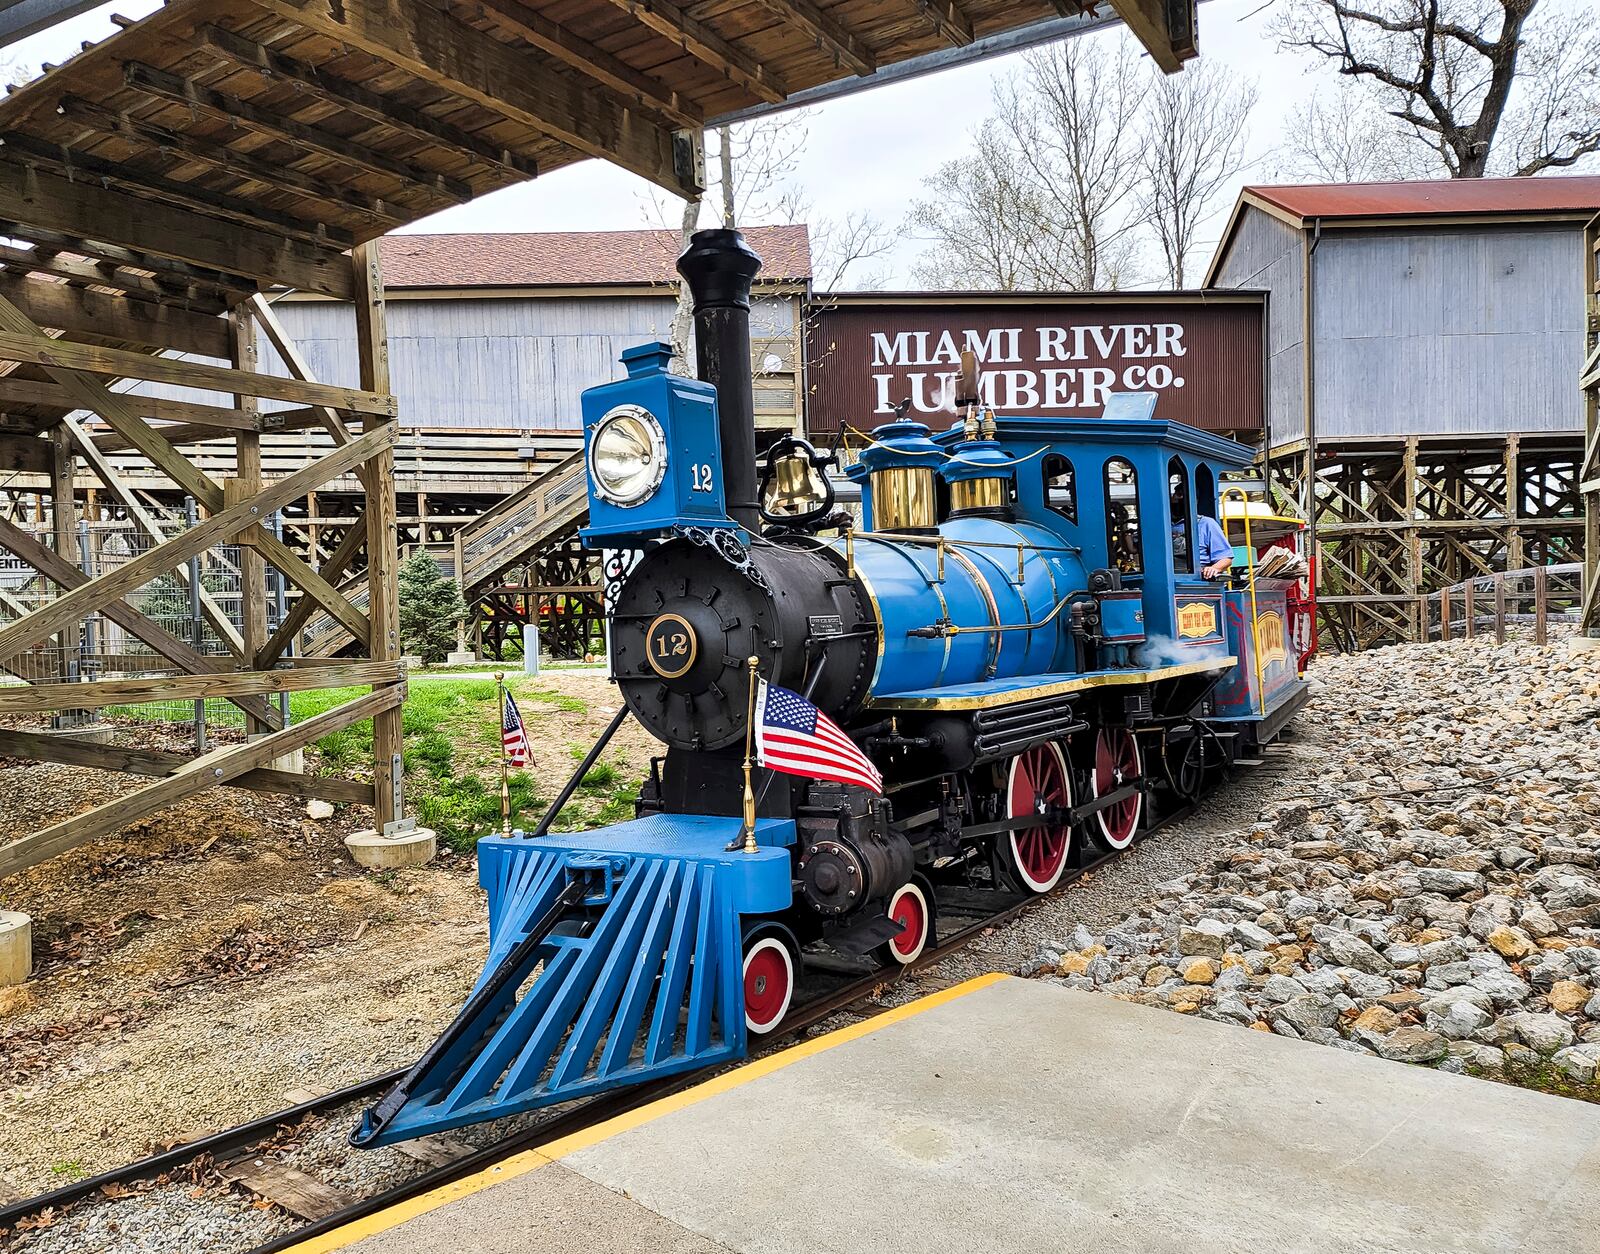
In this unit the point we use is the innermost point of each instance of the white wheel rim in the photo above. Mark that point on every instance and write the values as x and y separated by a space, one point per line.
1017 860
1138 800
904 959
770 944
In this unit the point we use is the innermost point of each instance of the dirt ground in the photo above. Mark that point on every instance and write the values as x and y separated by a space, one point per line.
203 962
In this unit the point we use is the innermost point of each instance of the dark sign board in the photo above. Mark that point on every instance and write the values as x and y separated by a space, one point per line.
1200 353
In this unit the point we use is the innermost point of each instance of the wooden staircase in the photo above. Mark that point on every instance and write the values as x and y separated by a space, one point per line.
547 511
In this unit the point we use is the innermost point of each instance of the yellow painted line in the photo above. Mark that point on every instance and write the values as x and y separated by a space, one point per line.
531 1160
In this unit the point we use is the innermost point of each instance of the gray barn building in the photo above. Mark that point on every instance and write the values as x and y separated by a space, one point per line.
1423 346
492 339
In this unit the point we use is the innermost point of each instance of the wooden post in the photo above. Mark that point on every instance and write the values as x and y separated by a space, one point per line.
64 528
372 345
1541 605
1444 613
1500 609
246 483
1470 608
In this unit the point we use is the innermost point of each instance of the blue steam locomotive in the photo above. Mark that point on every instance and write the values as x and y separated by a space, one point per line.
1017 632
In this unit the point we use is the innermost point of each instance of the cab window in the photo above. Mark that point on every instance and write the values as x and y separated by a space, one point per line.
1183 533
1123 544
1061 486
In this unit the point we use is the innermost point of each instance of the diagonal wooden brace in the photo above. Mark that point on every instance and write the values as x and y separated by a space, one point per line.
74 605
179 653
300 612
217 767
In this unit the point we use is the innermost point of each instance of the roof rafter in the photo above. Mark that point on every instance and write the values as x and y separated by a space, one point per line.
703 43
241 165
159 83
830 34
445 51
361 102
592 61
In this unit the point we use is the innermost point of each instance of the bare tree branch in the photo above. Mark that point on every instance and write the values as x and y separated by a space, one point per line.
1480 84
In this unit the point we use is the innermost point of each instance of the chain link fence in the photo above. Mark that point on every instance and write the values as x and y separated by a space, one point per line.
196 602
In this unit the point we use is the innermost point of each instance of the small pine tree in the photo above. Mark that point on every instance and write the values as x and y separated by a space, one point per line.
430 608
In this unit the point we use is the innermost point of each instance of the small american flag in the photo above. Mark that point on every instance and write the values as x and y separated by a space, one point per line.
512 737
795 737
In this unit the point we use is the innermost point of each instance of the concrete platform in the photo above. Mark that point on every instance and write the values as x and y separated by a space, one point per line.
1011 1115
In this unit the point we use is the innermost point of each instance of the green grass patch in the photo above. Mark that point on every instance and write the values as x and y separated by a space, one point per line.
452 757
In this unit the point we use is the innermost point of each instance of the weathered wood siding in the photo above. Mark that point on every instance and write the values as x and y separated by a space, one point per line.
518 362
1444 331
1267 254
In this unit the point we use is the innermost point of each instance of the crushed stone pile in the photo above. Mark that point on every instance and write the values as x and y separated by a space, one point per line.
1431 894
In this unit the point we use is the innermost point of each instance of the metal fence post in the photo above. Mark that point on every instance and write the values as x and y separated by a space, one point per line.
191 517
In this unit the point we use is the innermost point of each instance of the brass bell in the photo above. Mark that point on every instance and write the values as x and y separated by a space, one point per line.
795 489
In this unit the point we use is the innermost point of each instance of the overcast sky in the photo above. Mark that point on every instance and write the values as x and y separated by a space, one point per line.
866 152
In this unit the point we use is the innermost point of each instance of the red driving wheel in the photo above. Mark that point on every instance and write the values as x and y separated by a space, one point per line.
1036 781
1116 763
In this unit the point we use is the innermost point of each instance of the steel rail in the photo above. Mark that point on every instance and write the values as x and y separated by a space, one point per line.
227 1142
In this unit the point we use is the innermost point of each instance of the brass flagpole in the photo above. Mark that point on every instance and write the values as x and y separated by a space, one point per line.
749 761
505 788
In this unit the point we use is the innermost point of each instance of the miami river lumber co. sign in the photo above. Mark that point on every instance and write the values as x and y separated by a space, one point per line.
1199 353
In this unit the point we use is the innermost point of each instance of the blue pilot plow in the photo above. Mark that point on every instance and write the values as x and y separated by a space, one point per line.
615 957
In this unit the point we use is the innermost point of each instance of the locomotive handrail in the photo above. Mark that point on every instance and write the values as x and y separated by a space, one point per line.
1250 571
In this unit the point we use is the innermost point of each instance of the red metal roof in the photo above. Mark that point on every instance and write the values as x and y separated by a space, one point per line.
571 258
1553 194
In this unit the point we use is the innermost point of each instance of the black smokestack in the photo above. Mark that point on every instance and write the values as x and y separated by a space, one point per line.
719 268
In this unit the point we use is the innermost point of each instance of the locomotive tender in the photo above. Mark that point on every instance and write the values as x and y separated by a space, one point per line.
1016 633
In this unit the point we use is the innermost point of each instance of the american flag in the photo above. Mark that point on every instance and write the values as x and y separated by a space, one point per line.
512 738
795 737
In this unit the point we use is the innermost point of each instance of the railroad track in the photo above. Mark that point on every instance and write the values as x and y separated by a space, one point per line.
978 910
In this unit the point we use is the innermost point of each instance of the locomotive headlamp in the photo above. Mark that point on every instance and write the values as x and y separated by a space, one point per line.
627 455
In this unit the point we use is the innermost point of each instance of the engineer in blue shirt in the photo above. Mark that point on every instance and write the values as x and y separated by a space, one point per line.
1214 551
1212 547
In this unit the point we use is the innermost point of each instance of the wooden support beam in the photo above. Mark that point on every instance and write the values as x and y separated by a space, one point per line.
594 62
180 653
88 213
287 349
300 612
69 308
100 693
17 391
384 110
444 51
217 767
1164 27
828 32
245 484
383 532
79 163
142 287
241 165
140 570
201 432
164 86
704 44
74 751
121 363
106 473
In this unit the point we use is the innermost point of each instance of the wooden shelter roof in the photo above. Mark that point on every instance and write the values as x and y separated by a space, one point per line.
256 140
